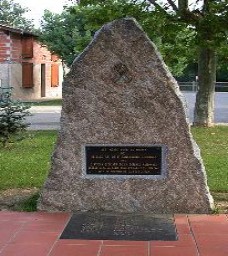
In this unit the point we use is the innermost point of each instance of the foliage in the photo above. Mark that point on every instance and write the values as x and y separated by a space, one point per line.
208 19
69 33
186 32
57 34
12 118
11 14
176 37
29 205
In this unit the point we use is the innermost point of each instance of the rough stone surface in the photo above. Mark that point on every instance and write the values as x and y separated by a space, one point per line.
119 91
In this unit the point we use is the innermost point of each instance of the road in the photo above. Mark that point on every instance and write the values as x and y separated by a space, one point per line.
45 118
221 106
48 117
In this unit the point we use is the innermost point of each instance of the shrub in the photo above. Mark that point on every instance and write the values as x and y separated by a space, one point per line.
12 118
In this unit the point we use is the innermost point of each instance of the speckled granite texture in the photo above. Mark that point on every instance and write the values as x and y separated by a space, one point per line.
119 91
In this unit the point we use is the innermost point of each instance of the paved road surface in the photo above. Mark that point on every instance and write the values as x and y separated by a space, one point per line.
47 118
221 106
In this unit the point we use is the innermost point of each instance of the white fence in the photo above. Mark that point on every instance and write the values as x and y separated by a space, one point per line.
193 86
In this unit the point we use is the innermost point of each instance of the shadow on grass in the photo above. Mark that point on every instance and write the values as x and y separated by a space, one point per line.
29 205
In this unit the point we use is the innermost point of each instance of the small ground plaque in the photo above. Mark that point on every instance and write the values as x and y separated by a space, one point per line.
118 226
123 160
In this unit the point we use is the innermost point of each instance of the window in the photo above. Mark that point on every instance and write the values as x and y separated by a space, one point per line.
54 75
27 47
27 75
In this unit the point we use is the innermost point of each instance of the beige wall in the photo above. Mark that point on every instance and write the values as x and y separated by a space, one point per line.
19 92
34 93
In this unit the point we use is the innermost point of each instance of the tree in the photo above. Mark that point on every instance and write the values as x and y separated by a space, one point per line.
207 22
210 23
58 32
12 118
187 32
11 14
169 37
69 33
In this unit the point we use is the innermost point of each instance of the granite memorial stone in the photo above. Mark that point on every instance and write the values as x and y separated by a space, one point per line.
124 143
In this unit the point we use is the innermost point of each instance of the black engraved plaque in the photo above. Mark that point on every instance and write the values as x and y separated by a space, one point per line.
123 160
118 226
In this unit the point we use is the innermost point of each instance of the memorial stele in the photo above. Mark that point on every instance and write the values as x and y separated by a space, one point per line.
124 143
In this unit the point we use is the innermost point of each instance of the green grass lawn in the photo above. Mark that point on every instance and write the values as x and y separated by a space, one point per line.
213 143
55 102
25 164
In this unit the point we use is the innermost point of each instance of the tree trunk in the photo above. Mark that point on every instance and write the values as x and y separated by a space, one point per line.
204 106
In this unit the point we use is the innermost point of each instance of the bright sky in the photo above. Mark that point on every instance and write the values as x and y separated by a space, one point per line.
37 7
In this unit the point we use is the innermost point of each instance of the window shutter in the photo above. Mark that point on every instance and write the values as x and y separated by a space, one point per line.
27 75
54 75
27 47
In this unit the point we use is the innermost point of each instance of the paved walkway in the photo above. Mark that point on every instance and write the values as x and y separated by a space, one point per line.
37 234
